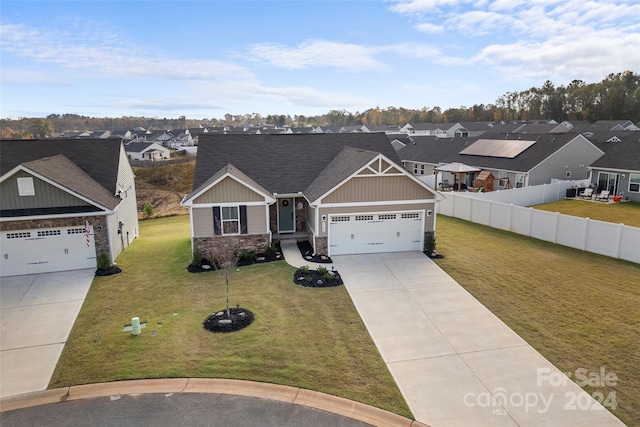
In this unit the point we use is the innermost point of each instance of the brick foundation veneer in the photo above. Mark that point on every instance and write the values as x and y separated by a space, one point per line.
244 242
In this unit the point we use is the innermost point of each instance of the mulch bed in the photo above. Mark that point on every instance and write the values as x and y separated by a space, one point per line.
434 255
314 279
306 250
260 258
218 322
108 271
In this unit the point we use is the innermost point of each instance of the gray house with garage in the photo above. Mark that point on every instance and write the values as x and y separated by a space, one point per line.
63 203
345 193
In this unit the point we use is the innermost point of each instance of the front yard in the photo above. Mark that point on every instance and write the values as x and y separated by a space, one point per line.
580 310
304 337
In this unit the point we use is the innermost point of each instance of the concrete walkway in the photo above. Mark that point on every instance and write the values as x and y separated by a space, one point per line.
293 256
455 362
37 312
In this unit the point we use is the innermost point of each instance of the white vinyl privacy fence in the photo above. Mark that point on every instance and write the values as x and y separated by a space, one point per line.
604 238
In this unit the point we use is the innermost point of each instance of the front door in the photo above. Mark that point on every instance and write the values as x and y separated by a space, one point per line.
286 216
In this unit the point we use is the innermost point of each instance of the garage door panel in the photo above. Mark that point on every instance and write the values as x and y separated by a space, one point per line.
47 250
387 232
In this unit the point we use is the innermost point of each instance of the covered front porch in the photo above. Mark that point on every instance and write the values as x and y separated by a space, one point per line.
288 218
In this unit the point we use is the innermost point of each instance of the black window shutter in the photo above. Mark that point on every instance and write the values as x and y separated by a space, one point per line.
217 229
243 219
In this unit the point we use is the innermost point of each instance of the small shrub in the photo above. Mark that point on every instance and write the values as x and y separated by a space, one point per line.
248 255
327 276
304 269
309 279
322 270
104 261
147 210
271 251
430 242
196 258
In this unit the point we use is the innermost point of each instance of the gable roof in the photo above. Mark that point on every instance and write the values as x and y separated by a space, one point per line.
141 146
282 164
449 151
62 171
621 156
98 158
346 163
227 170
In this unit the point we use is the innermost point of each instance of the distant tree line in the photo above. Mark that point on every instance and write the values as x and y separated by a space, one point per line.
617 97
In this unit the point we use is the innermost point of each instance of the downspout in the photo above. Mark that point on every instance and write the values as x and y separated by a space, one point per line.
191 226
109 240
315 232
268 224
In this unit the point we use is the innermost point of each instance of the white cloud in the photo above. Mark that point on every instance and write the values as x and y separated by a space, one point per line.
408 7
554 39
106 56
505 5
480 22
429 28
586 56
317 53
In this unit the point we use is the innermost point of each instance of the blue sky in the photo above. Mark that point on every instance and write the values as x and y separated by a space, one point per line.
204 59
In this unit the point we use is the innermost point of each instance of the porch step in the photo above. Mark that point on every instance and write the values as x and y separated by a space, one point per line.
297 236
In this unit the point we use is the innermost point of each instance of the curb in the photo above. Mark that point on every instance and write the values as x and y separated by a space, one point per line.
294 395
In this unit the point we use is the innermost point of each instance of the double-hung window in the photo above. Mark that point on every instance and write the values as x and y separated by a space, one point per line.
230 220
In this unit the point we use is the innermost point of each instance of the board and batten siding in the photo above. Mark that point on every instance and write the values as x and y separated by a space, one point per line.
46 195
229 191
378 189
203 220
428 220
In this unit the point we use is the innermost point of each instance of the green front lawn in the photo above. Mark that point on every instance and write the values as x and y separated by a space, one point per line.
627 213
578 309
303 337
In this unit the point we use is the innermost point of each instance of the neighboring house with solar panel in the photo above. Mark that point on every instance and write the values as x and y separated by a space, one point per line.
523 159
64 202
346 193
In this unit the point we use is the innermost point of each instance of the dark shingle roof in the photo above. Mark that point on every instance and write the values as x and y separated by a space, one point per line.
64 172
347 162
98 158
281 163
448 151
620 155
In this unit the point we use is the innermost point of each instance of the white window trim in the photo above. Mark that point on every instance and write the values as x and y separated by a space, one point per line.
223 220
631 177
26 187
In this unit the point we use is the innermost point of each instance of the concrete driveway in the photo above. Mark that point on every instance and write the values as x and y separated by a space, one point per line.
37 313
455 362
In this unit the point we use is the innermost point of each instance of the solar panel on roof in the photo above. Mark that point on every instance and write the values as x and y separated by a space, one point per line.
505 148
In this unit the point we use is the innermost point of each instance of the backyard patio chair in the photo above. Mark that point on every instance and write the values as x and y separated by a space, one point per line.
603 196
587 193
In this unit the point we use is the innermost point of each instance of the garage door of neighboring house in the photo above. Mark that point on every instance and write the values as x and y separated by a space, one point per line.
46 250
379 232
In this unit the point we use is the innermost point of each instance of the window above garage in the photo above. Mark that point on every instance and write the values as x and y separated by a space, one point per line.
26 187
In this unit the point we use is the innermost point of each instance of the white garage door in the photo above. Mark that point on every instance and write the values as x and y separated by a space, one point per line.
371 233
46 250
